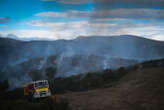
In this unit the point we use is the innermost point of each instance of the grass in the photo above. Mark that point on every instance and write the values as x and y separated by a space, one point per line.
141 78
44 104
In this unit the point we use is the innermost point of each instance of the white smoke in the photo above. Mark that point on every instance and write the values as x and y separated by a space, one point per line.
16 83
43 62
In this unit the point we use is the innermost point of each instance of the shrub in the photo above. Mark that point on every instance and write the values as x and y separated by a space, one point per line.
4 85
50 72
45 104
35 74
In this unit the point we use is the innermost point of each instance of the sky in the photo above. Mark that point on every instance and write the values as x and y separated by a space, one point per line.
69 19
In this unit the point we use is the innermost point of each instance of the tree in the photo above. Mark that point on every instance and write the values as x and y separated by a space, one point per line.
4 85
50 72
35 74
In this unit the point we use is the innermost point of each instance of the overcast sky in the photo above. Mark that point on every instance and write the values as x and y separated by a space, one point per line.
68 19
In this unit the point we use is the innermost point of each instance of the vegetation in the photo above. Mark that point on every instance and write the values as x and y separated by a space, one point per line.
35 74
4 85
14 100
89 81
46 104
50 72
102 79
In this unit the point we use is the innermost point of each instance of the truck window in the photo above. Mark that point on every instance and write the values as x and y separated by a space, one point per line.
41 84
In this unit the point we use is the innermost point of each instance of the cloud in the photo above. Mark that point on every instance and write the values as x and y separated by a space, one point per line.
71 13
129 3
71 30
100 3
113 14
70 1
29 34
4 19
129 14
158 36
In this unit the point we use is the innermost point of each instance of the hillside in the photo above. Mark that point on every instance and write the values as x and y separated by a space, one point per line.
138 90
129 47
72 57
138 87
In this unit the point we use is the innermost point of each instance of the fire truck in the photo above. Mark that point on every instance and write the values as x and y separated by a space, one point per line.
37 89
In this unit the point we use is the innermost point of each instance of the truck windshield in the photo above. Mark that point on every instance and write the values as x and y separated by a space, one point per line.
41 85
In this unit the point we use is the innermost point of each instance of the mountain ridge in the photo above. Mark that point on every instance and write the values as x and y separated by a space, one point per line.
124 46
72 56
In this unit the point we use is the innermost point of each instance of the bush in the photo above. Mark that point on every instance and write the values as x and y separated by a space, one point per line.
36 74
4 85
15 94
50 72
45 104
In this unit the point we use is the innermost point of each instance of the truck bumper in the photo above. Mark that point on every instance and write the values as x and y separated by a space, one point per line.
40 95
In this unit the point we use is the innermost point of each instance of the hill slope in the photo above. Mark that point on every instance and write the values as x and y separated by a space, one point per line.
138 90
139 87
129 47
81 55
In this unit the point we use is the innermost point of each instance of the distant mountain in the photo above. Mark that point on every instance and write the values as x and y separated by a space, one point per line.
126 46
80 55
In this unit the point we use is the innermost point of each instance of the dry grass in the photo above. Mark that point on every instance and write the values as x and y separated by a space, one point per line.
138 90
